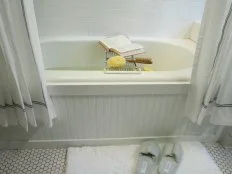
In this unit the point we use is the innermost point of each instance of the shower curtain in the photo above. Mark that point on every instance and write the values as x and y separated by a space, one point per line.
210 93
24 98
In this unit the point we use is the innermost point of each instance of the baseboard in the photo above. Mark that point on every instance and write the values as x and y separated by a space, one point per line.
97 142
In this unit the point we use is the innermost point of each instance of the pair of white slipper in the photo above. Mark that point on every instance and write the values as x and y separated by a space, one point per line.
153 160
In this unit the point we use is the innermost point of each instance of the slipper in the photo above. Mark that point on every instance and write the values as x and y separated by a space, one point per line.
171 159
148 158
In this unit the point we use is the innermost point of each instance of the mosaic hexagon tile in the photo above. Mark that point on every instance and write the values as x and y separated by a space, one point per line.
53 161
32 161
222 156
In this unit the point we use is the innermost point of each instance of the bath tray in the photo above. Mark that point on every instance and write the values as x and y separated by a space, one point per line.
126 70
130 68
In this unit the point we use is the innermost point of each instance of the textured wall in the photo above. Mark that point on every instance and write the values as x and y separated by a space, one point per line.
142 18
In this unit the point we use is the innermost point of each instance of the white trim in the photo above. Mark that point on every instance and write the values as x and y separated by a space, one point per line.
65 143
114 89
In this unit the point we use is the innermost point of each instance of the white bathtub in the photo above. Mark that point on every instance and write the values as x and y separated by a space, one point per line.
94 108
82 61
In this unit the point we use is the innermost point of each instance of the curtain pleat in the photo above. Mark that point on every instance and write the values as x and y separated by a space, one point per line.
210 85
23 95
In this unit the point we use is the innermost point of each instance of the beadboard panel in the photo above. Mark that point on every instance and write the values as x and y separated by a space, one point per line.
117 88
116 116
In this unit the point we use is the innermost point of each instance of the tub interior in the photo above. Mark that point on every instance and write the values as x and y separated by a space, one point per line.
167 55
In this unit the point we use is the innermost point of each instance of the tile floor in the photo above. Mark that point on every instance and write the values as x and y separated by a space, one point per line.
53 161
32 161
221 155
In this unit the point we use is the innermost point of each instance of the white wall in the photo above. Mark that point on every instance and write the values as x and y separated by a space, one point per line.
141 18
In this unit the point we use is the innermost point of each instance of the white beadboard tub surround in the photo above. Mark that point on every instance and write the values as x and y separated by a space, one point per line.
112 119
101 111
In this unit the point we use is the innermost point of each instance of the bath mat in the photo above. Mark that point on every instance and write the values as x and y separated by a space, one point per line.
101 160
196 160
122 160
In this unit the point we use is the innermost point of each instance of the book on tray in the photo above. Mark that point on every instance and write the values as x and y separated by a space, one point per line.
121 45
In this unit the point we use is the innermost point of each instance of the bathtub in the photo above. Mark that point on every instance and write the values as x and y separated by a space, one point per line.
82 61
94 108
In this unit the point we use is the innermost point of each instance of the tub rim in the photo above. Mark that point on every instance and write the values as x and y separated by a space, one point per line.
98 77
182 42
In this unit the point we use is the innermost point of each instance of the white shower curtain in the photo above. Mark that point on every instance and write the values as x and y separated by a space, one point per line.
210 93
23 95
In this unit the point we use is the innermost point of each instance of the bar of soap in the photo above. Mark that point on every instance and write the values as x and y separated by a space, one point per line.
147 68
116 62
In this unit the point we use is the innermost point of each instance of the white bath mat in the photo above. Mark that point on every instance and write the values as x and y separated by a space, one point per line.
101 160
196 160
122 160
